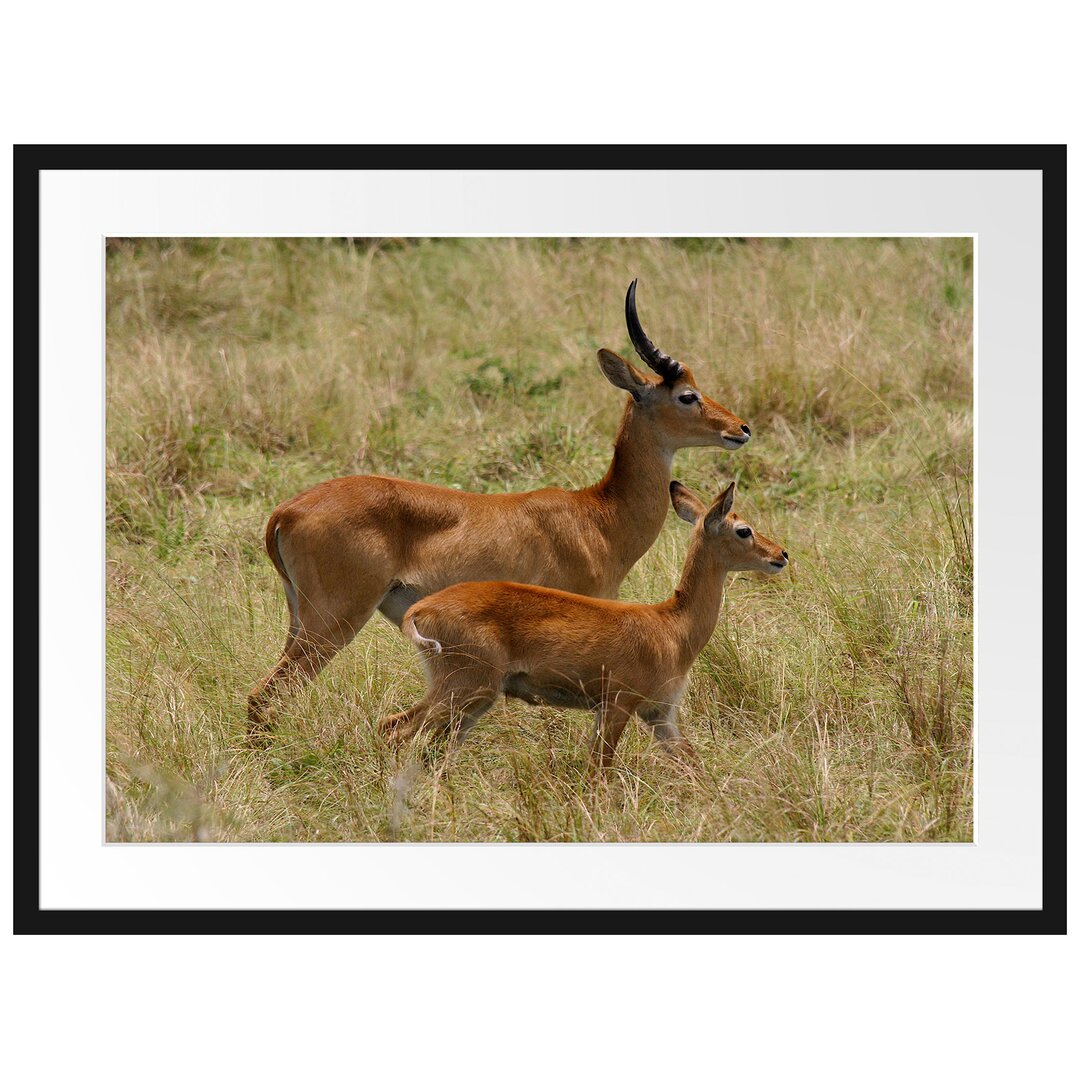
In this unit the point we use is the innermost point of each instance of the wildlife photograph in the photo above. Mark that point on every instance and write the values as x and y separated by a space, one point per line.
542 539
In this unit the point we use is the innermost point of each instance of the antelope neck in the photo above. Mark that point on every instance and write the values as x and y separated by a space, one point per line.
635 489
697 600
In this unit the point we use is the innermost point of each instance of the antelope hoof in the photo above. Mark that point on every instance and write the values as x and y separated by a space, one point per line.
393 727
684 755
398 729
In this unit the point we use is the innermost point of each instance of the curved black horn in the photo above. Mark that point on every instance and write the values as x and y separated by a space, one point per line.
660 362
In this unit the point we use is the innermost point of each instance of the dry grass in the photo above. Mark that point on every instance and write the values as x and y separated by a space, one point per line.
833 703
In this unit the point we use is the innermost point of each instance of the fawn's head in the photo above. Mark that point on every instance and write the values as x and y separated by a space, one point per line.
681 413
737 545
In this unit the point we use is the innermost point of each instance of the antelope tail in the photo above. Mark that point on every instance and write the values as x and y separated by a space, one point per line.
273 549
409 629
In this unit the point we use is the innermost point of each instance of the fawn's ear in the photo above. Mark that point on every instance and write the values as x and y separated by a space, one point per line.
721 508
687 505
621 373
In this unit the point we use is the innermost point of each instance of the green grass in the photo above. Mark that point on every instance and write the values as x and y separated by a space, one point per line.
834 702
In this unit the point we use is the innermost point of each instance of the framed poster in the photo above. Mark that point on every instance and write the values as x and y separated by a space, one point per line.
851 335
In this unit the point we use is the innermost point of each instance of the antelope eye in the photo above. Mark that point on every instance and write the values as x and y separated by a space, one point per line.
688 398
743 531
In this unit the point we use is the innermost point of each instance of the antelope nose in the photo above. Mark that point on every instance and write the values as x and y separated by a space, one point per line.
784 553
746 431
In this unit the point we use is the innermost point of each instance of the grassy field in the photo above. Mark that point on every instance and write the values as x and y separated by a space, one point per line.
834 702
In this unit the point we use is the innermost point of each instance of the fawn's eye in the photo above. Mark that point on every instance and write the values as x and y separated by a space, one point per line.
688 398
744 531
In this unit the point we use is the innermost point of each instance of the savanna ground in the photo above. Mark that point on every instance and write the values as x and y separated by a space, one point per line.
834 701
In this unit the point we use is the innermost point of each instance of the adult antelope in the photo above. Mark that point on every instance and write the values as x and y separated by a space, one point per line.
359 544
545 646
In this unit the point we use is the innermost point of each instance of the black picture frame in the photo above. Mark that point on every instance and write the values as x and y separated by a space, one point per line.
30 160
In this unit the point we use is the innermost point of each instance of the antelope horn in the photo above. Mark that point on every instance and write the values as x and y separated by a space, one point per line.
669 370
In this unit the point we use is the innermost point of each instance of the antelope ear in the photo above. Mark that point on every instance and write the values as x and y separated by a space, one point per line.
721 508
622 374
687 505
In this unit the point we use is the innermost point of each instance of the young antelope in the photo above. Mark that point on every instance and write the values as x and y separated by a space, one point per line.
545 646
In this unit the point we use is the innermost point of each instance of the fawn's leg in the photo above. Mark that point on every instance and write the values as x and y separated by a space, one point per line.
611 717
462 713
661 718
440 716
390 723
461 688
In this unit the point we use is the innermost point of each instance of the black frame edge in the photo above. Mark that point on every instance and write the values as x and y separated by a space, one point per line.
28 162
